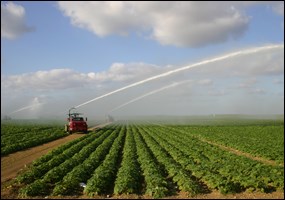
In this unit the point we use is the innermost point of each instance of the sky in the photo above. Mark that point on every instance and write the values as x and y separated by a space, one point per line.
95 56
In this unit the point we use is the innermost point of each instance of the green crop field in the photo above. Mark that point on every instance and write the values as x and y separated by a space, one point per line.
23 134
160 159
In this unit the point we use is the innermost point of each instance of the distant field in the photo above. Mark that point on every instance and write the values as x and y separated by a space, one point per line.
266 141
158 158
209 120
20 135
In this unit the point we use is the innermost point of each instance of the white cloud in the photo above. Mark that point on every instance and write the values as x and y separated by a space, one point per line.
57 79
102 18
126 72
197 24
12 21
170 23
45 80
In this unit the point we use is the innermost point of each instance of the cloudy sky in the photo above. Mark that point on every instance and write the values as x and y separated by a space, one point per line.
95 56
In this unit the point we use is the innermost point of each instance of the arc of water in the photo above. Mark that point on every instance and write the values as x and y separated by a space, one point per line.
148 94
25 108
248 51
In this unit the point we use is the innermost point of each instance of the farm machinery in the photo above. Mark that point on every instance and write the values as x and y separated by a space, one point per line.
76 123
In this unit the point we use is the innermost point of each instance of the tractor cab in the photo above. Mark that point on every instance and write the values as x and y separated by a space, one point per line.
76 123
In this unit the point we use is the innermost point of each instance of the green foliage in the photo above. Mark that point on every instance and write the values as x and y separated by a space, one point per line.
128 176
83 171
16 137
153 159
104 176
258 140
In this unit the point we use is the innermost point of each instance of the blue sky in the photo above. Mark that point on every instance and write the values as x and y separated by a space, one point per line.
56 55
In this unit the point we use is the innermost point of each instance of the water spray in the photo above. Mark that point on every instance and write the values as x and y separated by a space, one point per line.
25 108
148 94
230 55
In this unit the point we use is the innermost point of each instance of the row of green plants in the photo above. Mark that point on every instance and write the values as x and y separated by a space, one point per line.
41 178
218 168
56 174
102 179
16 137
70 183
152 171
39 171
262 141
12 138
12 129
39 138
184 179
128 179
145 159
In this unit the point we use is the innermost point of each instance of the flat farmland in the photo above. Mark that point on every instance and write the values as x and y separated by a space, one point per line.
151 159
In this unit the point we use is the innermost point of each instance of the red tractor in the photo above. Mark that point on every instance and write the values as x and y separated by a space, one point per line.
76 123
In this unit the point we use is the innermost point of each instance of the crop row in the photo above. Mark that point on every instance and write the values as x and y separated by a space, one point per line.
12 129
155 180
148 159
25 140
216 167
262 141
184 179
104 176
83 172
128 178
